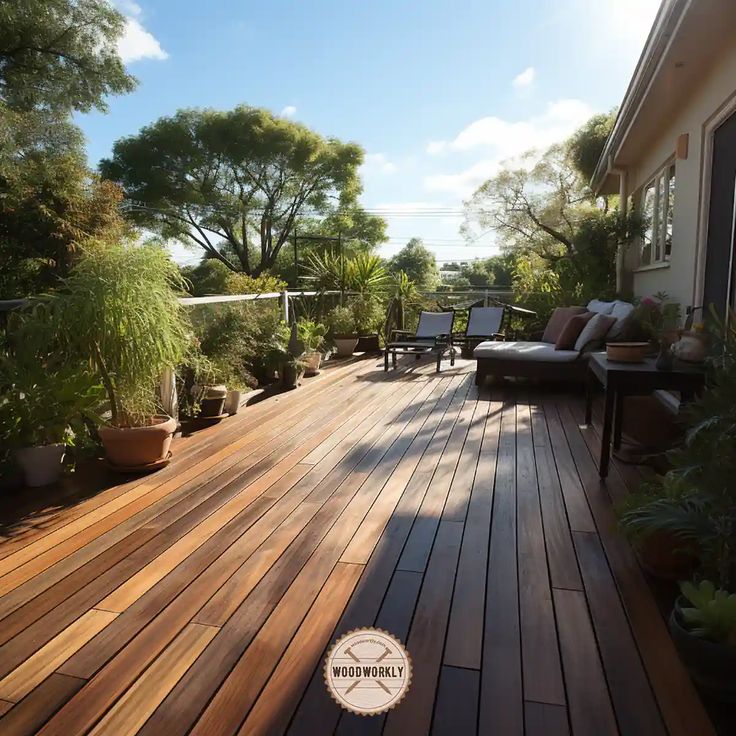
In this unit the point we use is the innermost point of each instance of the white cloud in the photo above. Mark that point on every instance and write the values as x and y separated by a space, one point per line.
501 140
525 79
380 163
289 111
137 43
558 120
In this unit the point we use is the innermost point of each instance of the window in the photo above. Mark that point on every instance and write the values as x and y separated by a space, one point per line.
657 205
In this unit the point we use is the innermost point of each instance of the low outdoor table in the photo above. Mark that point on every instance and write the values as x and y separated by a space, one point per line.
633 379
418 347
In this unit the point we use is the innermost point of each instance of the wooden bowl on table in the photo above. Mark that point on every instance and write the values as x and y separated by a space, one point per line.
627 352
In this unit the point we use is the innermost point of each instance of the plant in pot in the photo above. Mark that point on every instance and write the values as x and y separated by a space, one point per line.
118 309
369 315
365 274
693 507
312 334
703 628
287 356
341 322
42 408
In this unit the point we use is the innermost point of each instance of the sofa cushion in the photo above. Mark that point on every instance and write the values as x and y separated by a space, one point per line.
600 307
623 312
557 322
571 331
541 352
594 333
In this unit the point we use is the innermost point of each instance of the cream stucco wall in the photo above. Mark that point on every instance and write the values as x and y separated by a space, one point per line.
680 277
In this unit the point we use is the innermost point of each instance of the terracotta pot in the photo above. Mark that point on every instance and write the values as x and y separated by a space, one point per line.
627 352
345 345
133 447
711 664
232 401
41 465
313 361
665 555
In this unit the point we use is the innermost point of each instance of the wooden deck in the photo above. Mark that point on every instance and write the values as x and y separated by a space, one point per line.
470 524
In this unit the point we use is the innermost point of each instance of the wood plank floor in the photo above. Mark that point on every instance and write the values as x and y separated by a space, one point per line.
469 522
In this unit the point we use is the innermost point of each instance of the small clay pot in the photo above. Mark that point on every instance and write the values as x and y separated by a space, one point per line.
232 401
312 361
138 446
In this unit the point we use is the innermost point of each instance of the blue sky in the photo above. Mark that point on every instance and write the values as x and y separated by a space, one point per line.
437 92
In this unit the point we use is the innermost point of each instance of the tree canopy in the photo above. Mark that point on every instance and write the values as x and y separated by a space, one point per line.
586 144
544 213
234 183
418 263
60 54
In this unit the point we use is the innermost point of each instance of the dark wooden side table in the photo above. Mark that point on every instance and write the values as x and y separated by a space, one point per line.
633 379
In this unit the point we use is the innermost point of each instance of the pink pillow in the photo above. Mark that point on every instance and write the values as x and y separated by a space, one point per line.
557 322
571 331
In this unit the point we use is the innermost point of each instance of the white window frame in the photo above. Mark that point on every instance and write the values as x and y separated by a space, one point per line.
658 254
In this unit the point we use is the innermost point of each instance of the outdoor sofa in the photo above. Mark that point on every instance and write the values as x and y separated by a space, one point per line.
572 333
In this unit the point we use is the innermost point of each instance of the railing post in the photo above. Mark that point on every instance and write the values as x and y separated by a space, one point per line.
285 305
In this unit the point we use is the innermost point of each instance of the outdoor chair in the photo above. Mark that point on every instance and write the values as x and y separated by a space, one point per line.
484 323
433 335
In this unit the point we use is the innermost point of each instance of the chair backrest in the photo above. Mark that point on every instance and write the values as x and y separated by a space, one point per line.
484 321
432 324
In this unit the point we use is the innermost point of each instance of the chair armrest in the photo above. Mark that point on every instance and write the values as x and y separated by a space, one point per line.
394 333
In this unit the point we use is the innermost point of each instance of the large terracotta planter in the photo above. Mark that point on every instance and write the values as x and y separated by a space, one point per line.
665 555
345 345
42 465
138 447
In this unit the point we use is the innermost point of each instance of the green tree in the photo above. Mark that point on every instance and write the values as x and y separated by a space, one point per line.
418 263
60 54
50 202
586 145
235 183
544 208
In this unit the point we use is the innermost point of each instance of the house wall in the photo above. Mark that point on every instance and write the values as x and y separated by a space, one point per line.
680 277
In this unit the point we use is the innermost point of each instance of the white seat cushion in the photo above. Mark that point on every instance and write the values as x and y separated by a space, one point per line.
540 352
600 307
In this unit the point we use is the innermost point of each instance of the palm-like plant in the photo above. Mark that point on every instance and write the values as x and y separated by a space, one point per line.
403 293
366 274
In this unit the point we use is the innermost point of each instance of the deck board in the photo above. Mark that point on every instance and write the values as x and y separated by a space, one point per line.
469 522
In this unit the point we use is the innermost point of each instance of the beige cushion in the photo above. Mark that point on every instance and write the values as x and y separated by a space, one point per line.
541 352
594 333
571 331
557 322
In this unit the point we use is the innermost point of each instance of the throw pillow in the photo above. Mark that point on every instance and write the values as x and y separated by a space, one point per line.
594 333
623 312
571 331
557 322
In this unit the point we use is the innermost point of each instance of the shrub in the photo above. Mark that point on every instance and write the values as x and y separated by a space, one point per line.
118 310
341 321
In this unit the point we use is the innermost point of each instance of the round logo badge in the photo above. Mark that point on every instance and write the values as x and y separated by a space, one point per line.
368 671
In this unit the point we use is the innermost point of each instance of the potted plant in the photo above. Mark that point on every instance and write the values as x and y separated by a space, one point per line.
368 315
119 310
703 628
41 410
288 359
341 322
312 334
